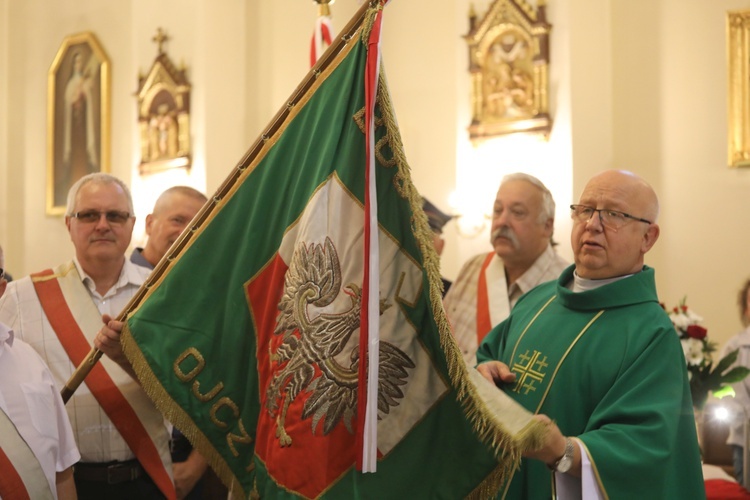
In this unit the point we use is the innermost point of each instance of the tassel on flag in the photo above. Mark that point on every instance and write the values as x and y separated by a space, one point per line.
323 32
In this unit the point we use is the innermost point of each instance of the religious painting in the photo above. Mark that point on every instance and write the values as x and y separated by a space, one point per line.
508 63
164 114
78 116
738 46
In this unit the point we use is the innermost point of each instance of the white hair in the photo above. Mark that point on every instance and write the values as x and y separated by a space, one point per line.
548 203
98 178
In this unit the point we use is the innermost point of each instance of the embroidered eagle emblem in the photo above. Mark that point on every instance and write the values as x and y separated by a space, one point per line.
316 355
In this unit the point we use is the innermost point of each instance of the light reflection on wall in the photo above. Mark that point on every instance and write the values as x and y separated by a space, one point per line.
147 188
481 167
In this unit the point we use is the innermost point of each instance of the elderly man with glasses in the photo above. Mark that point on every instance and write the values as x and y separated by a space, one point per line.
123 440
597 358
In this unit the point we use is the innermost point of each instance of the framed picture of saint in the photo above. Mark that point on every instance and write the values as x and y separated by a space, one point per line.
78 116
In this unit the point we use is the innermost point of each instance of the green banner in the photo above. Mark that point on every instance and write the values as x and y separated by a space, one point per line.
249 339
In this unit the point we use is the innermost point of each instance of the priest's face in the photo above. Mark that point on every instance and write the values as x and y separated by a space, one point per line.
520 232
603 251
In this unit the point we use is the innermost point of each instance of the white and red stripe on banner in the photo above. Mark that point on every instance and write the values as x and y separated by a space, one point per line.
369 343
321 38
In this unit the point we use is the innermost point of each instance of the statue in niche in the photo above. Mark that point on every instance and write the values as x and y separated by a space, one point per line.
164 113
508 88
162 137
509 67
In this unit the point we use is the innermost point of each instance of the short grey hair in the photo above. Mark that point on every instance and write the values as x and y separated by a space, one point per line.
183 190
548 203
97 178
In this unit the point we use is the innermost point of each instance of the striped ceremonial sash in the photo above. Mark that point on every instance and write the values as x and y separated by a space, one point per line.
484 325
493 304
117 407
21 474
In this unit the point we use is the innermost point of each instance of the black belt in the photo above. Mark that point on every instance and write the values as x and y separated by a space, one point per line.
109 472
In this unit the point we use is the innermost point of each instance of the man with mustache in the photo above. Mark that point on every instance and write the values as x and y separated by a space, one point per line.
596 357
122 438
489 285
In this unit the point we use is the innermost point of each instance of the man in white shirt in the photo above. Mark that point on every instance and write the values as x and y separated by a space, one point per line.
123 440
37 449
488 285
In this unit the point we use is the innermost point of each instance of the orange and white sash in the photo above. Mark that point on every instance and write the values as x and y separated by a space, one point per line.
70 311
21 474
493 304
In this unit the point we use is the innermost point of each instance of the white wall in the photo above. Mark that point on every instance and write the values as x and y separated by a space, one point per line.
704 202
4 117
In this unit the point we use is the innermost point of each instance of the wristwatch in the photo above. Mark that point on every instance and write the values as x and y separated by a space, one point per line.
564 463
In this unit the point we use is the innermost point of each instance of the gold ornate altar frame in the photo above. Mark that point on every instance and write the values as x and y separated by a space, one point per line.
164 114
509 65
738 53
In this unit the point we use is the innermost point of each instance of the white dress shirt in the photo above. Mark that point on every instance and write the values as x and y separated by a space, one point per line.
32 402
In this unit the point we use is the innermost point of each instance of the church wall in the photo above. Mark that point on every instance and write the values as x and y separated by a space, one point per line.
4 117
671 123
480 166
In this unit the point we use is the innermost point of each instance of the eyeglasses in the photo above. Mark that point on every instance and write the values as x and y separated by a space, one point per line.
611 219
91 216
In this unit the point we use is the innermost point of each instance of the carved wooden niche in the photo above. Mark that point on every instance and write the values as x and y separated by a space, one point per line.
509 64
164 113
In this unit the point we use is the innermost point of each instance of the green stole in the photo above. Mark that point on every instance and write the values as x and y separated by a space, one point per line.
536 370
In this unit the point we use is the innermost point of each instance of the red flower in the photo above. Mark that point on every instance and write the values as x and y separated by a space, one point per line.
696 332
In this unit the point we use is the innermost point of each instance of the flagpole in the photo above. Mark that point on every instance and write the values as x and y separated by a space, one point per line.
347 34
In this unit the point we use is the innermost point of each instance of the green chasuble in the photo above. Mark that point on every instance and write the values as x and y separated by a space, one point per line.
608 368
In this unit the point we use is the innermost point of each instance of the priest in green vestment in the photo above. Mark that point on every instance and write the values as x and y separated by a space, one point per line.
595 356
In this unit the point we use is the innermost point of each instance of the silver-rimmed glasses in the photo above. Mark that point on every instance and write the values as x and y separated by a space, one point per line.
612 219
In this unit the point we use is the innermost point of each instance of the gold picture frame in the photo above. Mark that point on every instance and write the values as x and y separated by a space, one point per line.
509 67
738 52
78 116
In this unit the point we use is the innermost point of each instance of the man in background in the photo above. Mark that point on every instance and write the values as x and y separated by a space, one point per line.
595 355
437 219
489 285
173 211
122 437
37 448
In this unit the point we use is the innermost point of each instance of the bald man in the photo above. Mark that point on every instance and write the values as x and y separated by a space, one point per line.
597 358
173 210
